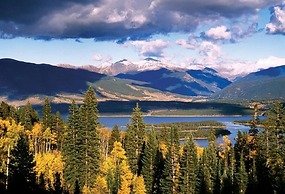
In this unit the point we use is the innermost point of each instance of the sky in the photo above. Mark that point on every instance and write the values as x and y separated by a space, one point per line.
233 36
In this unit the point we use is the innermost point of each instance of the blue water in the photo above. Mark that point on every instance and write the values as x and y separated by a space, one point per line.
110 121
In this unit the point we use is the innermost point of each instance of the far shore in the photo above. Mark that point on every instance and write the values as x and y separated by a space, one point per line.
149 115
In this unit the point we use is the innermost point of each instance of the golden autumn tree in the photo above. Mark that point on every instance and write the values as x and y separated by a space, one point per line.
9 135
115 173
138 185
47 165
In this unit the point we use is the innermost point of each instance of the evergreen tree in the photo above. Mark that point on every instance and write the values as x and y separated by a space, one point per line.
241 177
158 172
58 129
115 136
272 146
134 138
212 157
188 167
88 135
57 184
71 148
148 161
22 178
170 182
204 183
27 117
254 122
46 114
8 111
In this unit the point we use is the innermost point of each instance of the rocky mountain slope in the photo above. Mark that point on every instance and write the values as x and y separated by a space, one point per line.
264 84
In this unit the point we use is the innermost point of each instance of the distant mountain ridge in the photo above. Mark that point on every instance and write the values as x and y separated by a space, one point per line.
190 83
21 81
264 84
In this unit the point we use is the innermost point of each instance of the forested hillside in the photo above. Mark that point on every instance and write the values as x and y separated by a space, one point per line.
79 155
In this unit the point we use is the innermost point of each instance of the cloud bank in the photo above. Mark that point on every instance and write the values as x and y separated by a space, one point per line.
116 19
277 21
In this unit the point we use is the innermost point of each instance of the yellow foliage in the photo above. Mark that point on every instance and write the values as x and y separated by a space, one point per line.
9 135
200 151
138 185
181 150
100 185
125 188
48 164
225 147
86 190
163 148
118 152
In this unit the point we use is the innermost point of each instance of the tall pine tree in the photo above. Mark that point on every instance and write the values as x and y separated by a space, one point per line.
170 182
188 167
88 135
134 138
149 161
46 114
71 148
22 178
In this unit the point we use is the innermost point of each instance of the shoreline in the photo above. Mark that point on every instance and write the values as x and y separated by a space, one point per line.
148 115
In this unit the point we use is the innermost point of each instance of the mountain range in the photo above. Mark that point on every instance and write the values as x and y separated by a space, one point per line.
264 84
124 80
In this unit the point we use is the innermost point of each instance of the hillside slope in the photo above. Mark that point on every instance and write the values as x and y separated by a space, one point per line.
190 83
264 84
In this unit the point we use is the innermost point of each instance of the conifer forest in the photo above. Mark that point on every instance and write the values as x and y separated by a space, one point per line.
78 155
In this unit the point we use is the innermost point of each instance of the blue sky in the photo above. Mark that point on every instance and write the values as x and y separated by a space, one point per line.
233 36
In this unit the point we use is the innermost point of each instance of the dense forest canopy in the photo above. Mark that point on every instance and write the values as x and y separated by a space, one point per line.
51 155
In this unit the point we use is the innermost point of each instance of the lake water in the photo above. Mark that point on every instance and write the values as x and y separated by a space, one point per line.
122 121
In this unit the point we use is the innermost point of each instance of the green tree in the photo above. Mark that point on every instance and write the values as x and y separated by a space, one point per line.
170 182
22 177
115 136
71 148
134 138
188 167
46 114
204 183
148 161
212 157
57 184
88 135
241 177
58 129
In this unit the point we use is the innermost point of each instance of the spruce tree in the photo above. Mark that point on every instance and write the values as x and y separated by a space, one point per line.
212 157
241 177
148 161
134 138
22 178
71 148
204 183
88 135
57 184
58 129
170 181
188 167
46 114
115 136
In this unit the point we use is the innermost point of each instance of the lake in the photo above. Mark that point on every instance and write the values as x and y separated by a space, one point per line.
122 121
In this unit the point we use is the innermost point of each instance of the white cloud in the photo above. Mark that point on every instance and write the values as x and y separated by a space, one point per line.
271 61
97 57
218 33
151 48
277 21
102 58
